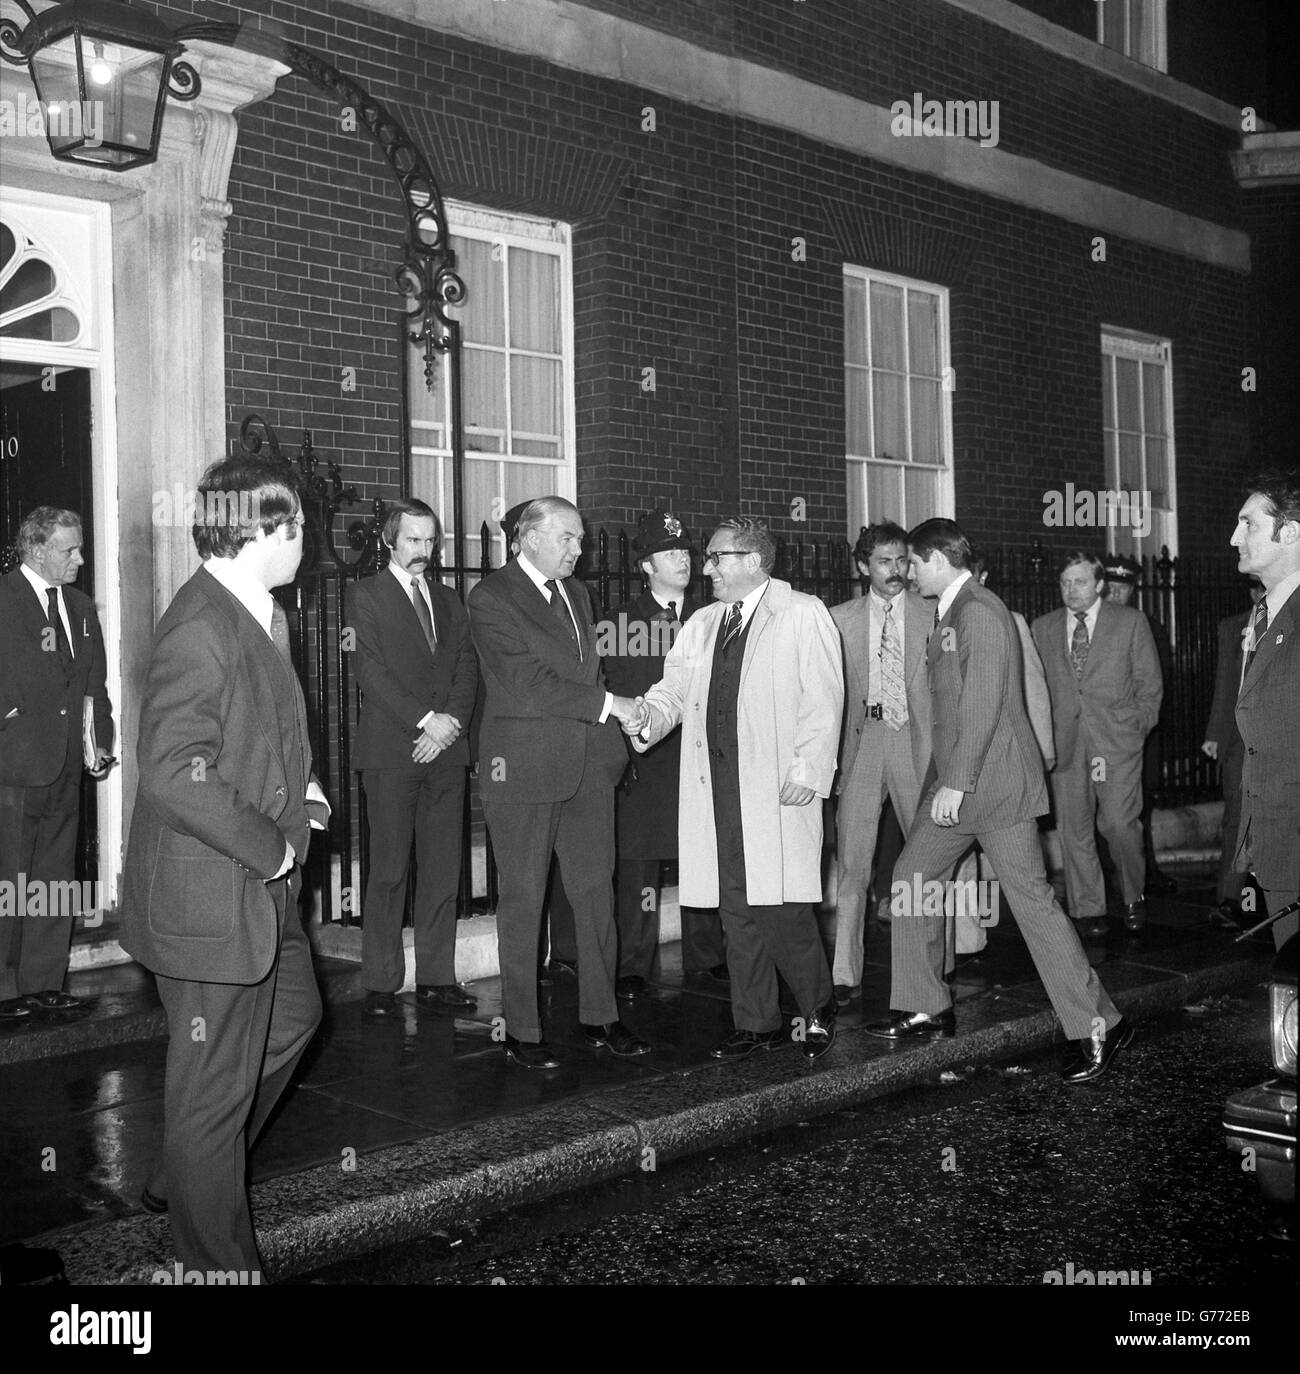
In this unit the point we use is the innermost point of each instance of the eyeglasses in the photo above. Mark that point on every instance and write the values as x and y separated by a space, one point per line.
712 556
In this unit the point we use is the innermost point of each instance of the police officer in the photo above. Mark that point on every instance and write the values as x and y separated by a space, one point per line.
636 640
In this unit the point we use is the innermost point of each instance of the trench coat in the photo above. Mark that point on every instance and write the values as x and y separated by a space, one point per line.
788 726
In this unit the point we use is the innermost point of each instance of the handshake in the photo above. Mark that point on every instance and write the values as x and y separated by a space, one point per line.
633 715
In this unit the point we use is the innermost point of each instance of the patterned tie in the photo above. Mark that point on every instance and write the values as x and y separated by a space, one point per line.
422 614
1079 642
893 690
561 612
732 627
60 634
1257 627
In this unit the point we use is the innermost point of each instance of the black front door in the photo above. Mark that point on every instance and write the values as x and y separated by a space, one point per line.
45 461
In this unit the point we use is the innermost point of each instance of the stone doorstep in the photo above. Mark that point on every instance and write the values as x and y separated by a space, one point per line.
416 1190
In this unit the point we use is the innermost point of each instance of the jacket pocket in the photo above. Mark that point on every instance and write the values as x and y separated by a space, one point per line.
195 898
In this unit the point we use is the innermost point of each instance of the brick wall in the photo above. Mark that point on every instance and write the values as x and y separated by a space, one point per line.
682 263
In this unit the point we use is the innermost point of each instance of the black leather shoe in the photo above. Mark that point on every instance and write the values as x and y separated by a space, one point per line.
742 1042
631 986
1228 915
444 995
529 1056
915 1025
1092 927
1161 885
151 1202
53 1000
845 994
1091 1058
564 967
819 1031
380 1004
616 1038
1135 916
15 1009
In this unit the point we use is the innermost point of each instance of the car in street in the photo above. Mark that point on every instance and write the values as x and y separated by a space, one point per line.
1260 1122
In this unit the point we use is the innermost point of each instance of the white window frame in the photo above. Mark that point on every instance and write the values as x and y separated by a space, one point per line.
1156 53
1142 348
508 231
861 516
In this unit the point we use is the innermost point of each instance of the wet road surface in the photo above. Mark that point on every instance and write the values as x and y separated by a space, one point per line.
995 1177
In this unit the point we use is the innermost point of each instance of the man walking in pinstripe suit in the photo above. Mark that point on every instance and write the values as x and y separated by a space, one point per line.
987 784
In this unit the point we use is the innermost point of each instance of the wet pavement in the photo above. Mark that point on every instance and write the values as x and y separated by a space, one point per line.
401 1130
994 1176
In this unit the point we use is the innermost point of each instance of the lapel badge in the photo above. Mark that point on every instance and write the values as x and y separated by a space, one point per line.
1278 640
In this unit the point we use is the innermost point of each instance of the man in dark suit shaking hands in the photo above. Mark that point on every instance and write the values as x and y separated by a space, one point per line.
550 754
986 784
418 675
52 662
1267 540
220 826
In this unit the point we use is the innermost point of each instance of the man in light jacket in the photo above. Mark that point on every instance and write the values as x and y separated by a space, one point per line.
757 685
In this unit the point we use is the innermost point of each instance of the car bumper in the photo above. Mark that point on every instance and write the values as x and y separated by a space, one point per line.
1263 1119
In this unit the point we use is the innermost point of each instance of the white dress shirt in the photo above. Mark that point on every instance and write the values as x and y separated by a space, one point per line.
950 595
875 624
539 580
40 586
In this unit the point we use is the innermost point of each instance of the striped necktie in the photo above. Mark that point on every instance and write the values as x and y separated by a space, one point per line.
1257 627
732 627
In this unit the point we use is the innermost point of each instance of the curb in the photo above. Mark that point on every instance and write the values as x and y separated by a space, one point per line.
327 1214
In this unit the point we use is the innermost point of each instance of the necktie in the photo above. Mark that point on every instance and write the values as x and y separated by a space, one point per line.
732 627
1079 642
1257 627
672 611
422 614
561 613
893 691
60 634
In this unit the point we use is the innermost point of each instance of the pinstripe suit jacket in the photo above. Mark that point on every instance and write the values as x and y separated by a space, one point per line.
984 744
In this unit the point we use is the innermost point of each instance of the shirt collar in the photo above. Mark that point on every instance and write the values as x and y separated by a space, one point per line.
882 601
535 575
1280 595
950 593
403 577
40 586
245 588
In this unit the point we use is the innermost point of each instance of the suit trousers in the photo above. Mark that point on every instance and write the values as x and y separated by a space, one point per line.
763 940
640 893
1113 806
425 801
230 1054
580 831
38 839
884 767
919 940
1230 882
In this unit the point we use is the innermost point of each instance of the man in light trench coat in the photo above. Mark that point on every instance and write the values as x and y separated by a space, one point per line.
757 685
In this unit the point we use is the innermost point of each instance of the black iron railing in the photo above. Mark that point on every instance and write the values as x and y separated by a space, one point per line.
1188 596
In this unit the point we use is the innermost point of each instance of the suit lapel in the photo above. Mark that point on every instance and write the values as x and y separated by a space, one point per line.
29 608
918 620
763 614
1279 628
